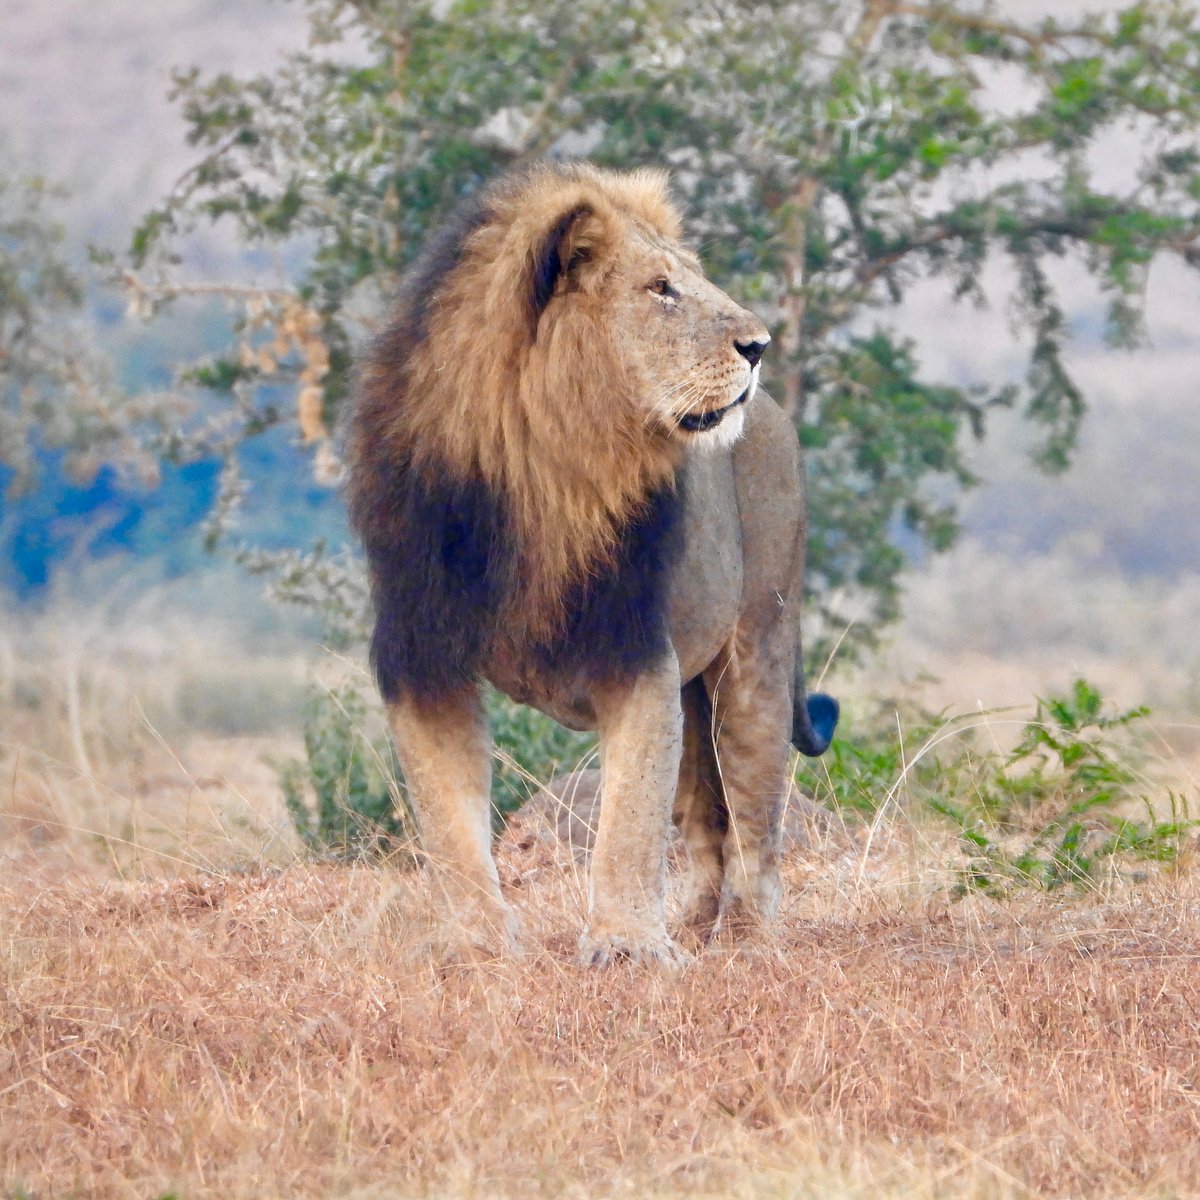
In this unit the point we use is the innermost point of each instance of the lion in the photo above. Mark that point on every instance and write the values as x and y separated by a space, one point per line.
567 483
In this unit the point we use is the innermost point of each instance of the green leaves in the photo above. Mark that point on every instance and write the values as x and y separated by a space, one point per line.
56 388
530 749
826 164
882 442
342 797
1078 95
1048 813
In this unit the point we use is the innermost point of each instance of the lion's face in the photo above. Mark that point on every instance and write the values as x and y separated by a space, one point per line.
692 353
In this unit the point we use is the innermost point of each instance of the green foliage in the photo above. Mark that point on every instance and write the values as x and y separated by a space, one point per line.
882 427
56 388
345 797
1047 814
529 749
342 797
826 163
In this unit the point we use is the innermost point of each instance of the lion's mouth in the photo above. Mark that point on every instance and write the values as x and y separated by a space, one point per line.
699 422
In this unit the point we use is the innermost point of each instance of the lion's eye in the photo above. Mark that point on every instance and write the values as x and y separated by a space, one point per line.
661 287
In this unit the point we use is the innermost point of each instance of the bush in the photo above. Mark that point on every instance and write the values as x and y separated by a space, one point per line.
345 797
529 750
1046 814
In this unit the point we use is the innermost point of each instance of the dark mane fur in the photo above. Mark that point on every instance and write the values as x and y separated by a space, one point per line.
441 566
442 544
617 620
444 579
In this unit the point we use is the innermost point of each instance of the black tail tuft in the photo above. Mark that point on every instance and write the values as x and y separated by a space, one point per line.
813 723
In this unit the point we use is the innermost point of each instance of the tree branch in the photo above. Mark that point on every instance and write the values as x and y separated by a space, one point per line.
1036 41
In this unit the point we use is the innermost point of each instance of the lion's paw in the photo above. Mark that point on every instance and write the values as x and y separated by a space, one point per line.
477 936
648 947
699 918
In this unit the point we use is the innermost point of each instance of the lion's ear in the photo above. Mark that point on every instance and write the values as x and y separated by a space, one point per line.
571 242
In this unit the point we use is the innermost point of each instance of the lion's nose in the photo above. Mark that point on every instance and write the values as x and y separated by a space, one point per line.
751 351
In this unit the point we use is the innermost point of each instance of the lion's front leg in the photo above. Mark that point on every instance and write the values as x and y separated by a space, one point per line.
700 813
445 752
641 733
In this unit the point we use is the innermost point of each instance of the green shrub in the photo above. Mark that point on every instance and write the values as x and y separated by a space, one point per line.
529 749
1046 814
344 796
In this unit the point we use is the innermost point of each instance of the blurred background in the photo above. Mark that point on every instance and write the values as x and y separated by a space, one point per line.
974 232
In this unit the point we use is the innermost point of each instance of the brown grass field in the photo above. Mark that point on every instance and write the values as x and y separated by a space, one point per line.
188 1007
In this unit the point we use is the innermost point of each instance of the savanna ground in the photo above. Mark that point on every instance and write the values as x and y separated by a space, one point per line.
188 1005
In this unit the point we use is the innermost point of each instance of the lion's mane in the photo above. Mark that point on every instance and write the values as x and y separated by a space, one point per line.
504 484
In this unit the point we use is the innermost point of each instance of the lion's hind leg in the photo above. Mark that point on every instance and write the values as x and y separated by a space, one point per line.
752 716
445 752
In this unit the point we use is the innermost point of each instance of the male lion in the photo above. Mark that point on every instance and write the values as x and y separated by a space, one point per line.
566 485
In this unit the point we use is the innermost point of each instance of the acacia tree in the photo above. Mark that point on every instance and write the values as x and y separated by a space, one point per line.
829 156
57 393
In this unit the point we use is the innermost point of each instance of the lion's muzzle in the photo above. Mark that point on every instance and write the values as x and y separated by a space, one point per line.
699 422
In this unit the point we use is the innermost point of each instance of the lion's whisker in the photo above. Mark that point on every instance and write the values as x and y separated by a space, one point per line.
674 402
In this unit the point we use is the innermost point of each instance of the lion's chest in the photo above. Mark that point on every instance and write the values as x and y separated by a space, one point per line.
706 590
681 590
615 621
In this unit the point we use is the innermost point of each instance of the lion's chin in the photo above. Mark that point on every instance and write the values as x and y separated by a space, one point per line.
718 428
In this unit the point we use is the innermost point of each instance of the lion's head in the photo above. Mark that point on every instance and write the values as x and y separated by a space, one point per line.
611 291
558 346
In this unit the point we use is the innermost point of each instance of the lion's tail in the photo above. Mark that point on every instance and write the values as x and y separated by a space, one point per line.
814 718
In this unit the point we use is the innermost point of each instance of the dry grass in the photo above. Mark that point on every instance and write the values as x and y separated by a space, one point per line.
176 1015
284 1032
141 734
